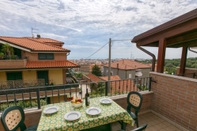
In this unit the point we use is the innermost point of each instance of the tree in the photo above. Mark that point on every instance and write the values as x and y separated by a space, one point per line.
8 50
96 70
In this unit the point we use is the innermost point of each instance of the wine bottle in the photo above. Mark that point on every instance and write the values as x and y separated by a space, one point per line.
87 99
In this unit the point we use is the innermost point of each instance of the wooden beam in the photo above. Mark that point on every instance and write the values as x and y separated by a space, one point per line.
183 61
173 31
161 55
182 38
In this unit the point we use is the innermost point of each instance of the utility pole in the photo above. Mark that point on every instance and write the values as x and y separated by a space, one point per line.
109 65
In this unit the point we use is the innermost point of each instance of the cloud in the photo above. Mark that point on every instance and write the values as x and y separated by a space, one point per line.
89 23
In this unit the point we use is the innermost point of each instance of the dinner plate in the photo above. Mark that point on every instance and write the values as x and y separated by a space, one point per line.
93 111
105 101
72 115
51 110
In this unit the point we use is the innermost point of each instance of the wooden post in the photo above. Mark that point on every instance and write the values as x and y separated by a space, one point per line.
161 55
183 61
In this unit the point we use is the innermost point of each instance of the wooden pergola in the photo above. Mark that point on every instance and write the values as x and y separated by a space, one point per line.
180 32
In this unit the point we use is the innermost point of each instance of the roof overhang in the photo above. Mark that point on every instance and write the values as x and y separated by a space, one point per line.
179 32
15 46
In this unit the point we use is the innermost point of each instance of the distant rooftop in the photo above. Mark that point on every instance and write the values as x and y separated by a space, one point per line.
128 64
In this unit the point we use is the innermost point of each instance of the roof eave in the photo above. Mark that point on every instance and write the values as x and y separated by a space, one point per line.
174 22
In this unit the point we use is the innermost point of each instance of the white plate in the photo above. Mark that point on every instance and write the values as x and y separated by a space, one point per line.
93 111
105 101
51 110
73 115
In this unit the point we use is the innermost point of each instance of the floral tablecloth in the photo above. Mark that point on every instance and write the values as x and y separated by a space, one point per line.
109 114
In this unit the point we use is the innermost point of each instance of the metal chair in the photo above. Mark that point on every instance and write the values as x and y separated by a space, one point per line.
13 118
134 101
141 128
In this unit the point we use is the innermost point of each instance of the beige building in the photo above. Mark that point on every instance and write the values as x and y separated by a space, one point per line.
32 62
127 68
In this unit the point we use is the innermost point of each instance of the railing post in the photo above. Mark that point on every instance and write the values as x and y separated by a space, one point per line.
38 97
150 80
106 88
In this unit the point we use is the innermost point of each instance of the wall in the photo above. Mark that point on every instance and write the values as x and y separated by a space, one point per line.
3 78
29 75
175 97
56 76
124 74
189 72
4 64
34 56
60 56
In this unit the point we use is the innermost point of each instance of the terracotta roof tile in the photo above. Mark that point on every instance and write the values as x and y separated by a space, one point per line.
112 78
51 64
94 77
127 64
34 44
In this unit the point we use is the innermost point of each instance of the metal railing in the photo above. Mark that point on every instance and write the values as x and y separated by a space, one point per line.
35 97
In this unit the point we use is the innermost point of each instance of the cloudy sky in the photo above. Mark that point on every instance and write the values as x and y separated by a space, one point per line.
85 26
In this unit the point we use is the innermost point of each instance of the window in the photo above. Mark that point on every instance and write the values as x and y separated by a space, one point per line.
14 75
45 56
130 75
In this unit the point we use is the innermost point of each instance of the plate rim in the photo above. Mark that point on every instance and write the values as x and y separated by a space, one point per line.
44 111
107 99
72 112
95 108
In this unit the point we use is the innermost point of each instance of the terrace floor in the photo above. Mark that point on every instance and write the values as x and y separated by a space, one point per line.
155 123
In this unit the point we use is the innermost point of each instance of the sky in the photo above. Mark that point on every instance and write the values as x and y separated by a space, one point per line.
85 26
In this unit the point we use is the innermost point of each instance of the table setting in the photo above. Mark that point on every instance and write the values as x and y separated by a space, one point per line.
75 115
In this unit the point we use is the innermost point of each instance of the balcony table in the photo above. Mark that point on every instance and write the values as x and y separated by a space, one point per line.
109 114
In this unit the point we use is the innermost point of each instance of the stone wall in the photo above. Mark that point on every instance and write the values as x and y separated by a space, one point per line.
175 98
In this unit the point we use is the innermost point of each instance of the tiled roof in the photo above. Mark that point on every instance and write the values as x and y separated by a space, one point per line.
112 78
35 44
127 64
51 64
94 78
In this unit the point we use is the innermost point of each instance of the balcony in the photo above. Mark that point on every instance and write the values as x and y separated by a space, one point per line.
170 105
8 63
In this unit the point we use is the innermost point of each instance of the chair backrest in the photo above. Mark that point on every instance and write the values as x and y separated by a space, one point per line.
134 100
13 118
141 128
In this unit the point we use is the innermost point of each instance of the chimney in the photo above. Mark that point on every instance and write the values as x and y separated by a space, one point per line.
38 36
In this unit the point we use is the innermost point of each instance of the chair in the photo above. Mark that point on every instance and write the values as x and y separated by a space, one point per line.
141 128
13 118
134 101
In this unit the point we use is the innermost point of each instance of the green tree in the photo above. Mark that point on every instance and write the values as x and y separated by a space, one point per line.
96 70
8 50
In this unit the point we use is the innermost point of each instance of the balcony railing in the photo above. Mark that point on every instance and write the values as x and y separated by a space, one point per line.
35 97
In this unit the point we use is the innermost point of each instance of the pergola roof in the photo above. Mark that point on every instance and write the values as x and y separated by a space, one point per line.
176 33
179 32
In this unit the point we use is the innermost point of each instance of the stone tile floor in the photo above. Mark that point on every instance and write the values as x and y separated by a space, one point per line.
155 123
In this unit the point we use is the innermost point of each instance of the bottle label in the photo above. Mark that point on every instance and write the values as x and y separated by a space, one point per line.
88 100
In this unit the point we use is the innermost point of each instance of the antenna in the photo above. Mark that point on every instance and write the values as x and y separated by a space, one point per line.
34 30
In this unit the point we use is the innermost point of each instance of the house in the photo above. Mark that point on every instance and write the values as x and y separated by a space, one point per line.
126 68
33 62
117 85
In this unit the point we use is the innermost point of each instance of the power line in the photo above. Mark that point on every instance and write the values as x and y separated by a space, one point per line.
123 40
97 51
106 44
